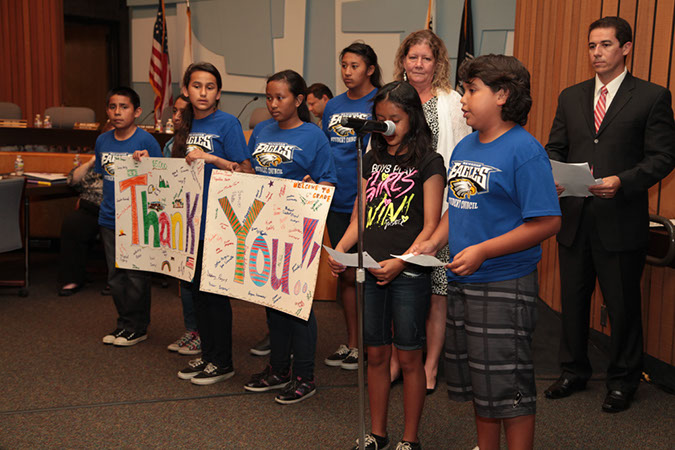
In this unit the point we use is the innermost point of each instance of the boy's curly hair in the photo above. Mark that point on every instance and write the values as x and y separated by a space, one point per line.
502 72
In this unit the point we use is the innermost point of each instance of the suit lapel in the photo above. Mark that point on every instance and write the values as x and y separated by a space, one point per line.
587 104
623 95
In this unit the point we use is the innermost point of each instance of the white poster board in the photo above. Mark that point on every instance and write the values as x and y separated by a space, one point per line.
158 212
263 239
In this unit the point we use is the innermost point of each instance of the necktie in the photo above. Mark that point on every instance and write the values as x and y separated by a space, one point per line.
600 108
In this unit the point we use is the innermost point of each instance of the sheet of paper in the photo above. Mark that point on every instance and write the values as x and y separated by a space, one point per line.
352 259
421 260
574 177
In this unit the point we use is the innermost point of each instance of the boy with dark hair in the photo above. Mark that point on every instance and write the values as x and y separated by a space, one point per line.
318 95
502 203
130 288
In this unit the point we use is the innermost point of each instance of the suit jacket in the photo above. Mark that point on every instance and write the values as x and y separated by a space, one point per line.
636 142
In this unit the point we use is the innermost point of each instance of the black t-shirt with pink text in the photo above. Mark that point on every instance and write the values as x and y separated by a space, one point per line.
395 202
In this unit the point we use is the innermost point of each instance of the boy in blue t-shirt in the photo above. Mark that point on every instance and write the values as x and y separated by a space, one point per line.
130 288
502 204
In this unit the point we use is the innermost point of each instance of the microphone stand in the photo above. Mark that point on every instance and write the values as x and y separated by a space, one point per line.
360 290
249 102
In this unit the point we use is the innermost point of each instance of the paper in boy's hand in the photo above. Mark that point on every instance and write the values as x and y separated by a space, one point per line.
574 177
421 260
352 259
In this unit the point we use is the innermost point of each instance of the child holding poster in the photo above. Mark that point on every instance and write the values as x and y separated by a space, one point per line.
292 148
403 180
207 133
130 288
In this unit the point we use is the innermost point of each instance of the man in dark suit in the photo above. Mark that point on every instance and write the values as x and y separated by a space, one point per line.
623 127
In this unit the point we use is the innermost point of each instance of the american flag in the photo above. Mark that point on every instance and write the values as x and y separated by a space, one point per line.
160 73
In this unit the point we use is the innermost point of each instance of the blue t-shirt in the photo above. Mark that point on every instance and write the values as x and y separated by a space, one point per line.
294 153
343 144
492 189
256 131
218 133
107 147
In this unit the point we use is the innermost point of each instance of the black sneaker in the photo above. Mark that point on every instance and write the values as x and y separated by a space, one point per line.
194 367
351 362
129 338
298 390
267 380
109 338
335 360
106 290
262 348
374 442
212 374
406 445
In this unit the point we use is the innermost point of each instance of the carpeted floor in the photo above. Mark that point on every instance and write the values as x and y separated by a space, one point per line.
62 388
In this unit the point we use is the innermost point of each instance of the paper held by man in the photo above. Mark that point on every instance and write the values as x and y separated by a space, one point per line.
574 177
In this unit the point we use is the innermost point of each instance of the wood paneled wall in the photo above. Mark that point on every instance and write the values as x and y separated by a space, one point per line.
31 54
551 40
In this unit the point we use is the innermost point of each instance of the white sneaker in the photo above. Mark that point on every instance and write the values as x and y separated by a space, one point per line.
182 341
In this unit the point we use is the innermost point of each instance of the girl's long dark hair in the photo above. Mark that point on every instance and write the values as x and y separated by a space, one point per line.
297 86
368 56
179 147
418 139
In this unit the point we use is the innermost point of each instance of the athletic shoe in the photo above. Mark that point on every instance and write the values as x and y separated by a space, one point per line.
106 290
194 367
109 338
351 362
194 347
373 442
262 348
267 380
182 341
212 374
298 390
335 360
129 338
405 445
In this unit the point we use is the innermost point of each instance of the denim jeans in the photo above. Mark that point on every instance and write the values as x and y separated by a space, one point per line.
189 318
130 289
214 319
405 301
288 335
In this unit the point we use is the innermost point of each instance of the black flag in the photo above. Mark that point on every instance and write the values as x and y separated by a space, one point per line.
465 50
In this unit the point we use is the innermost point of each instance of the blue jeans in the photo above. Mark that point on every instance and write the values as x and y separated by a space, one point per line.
130 289
189 319
214 319
405 301
288 335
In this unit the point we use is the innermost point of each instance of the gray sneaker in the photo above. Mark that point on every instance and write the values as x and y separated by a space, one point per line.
351 362
335 360
262 348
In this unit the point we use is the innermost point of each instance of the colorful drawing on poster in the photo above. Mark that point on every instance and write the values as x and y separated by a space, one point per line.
158 213
262 239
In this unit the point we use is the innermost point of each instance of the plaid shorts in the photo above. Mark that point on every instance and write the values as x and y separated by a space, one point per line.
488 345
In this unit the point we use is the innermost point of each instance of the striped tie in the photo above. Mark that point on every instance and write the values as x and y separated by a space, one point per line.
600 108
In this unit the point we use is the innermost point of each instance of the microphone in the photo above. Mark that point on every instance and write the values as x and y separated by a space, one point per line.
366 126
249 102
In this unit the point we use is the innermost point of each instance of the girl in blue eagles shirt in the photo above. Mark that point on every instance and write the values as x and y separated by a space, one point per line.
308 159
216 137
361 75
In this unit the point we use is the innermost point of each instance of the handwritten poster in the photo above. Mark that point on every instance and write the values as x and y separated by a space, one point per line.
158 212
263 239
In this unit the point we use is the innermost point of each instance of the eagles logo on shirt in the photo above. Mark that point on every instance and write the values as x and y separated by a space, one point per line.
468 178
108 163
269 154
203 141
336 127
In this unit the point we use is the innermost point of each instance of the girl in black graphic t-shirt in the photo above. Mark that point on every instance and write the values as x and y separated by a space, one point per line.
403 184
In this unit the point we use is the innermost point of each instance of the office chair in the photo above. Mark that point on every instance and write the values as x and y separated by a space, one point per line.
11 193
66 116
